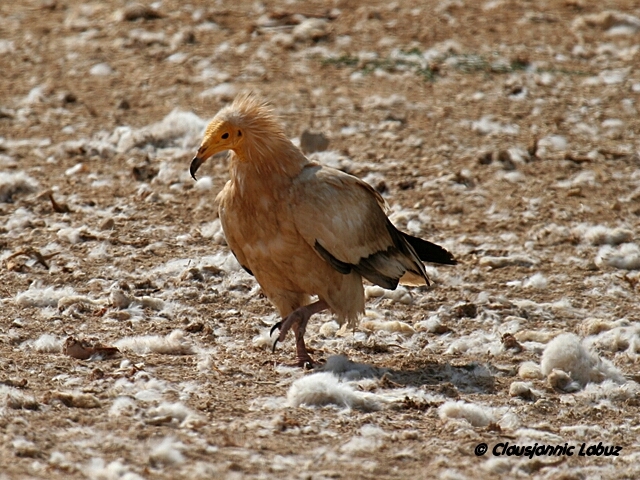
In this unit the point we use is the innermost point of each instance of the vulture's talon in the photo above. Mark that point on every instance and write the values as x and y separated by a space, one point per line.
278 326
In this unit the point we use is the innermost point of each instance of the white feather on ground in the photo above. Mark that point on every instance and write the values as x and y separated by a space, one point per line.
567 353
40 297
263 339
179 128
521 389
174 343
74 235
45 343
142 387
178 411
510 260
620 336
610 390
399 295
530 371
17 221
98 469
390 326
371 438
167 452
13 184
13 398
596 326
537 281
324 388
123 406
602 235
625 257
476 415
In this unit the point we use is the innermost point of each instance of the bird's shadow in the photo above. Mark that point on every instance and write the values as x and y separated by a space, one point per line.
472 377
468 378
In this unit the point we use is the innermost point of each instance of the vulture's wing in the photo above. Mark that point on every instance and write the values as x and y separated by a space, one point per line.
343 219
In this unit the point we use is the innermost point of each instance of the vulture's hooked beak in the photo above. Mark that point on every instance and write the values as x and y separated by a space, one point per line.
195 165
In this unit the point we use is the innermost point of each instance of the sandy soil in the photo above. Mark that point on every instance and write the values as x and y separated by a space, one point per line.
507 131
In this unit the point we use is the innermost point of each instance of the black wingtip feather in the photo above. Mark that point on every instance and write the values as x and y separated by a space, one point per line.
366 267
430 252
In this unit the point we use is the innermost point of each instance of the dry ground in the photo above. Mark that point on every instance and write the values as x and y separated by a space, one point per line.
505 130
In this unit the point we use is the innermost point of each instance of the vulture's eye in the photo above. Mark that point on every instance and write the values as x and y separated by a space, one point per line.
225 136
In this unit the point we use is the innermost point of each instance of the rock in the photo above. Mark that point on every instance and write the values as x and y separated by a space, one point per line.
313 29
313 142
137 11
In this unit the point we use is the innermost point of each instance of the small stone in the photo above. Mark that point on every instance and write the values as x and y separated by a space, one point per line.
15 382
448 390
73 399
485 158
184 37
136 11
83 350
313 142
381 186
504 157
311 29
123 104
466 310
68 97
407 184
530 371
6 113
107 224
575 192
120 300
532 149
121 316
18 323
561 380
144 172
510 343
522 390
195 327
101 70
19 401
75 348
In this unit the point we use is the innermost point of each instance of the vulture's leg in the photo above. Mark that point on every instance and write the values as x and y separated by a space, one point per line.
297 320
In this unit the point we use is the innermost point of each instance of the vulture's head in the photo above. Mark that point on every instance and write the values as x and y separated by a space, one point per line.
247 127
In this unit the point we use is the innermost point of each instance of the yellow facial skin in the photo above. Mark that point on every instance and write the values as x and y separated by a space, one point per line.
218 137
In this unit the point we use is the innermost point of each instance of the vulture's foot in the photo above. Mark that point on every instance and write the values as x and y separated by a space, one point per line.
297 321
